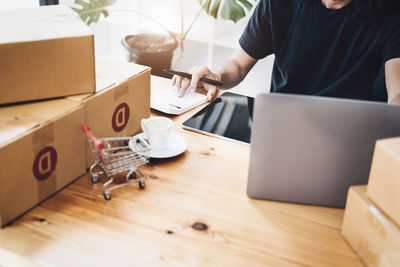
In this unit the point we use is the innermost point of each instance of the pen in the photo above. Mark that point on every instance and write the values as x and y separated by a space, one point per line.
189 76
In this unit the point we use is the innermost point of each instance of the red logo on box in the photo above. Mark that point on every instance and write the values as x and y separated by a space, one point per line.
45 163
120 117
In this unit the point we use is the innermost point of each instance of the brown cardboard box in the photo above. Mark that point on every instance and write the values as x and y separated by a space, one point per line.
390 259
121 100
42 149
368 230
384 178
45 52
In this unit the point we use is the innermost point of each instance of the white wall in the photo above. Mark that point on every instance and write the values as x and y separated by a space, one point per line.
210 42
11 4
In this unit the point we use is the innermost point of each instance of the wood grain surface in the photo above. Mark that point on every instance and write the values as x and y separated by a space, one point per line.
194 211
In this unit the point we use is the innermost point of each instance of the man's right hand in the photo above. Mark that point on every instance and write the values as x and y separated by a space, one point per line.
232 73
184 84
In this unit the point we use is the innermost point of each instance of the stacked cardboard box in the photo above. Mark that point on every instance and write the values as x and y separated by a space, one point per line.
384 180
121 101
40 152
372 216
44 53
390 259
42 146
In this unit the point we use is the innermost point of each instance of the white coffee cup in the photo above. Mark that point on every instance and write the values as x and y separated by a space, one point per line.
157 130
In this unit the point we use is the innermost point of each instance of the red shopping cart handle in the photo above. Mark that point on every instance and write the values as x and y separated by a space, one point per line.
98 144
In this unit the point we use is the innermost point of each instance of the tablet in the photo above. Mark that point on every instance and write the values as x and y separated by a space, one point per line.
228 117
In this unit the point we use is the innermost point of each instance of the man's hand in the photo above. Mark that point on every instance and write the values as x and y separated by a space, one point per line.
392 77
184 84
232 73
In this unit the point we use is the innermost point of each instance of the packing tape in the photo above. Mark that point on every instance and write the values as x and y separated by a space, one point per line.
378 216
45 161
42 137
103 83
376 213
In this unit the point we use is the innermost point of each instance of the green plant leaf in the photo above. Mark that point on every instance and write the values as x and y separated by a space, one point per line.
205 4
246 4
228 9
214 9
92 10
232 11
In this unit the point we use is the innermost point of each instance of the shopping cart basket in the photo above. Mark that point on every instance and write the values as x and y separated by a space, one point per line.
114 156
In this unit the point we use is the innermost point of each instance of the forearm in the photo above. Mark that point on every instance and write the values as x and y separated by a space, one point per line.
236 69
392 77
394 100
231 74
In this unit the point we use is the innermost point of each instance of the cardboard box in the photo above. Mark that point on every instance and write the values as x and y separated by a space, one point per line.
367 229
390 259
384 178
42 149
45 52
121 101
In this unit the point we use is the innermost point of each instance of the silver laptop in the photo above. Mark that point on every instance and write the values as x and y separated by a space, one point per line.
308 149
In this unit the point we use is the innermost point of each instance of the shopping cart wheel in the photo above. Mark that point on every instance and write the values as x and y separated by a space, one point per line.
107 195
141 184
132 175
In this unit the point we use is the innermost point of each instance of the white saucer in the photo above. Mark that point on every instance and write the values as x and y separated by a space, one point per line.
176 145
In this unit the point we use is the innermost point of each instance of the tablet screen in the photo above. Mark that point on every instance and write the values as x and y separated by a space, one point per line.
228 116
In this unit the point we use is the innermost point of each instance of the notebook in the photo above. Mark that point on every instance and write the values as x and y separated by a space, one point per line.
169 102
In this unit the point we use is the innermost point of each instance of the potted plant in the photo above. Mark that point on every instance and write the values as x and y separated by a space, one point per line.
156 50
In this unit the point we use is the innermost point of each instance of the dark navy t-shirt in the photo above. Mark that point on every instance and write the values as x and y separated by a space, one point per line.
320 51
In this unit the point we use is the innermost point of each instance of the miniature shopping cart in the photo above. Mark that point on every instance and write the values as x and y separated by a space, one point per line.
114 156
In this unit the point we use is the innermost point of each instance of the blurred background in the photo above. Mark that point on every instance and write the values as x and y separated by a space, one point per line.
210 42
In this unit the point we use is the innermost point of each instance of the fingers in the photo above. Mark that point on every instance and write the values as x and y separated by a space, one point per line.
173 80
197 73
211 93
177 81
181 84
188 84
184 86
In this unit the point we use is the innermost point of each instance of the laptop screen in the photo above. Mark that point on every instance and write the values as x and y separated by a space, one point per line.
228 116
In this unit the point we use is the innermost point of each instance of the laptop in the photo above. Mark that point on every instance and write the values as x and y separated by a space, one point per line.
309 149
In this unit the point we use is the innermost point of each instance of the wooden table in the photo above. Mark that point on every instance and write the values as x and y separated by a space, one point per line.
194 211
